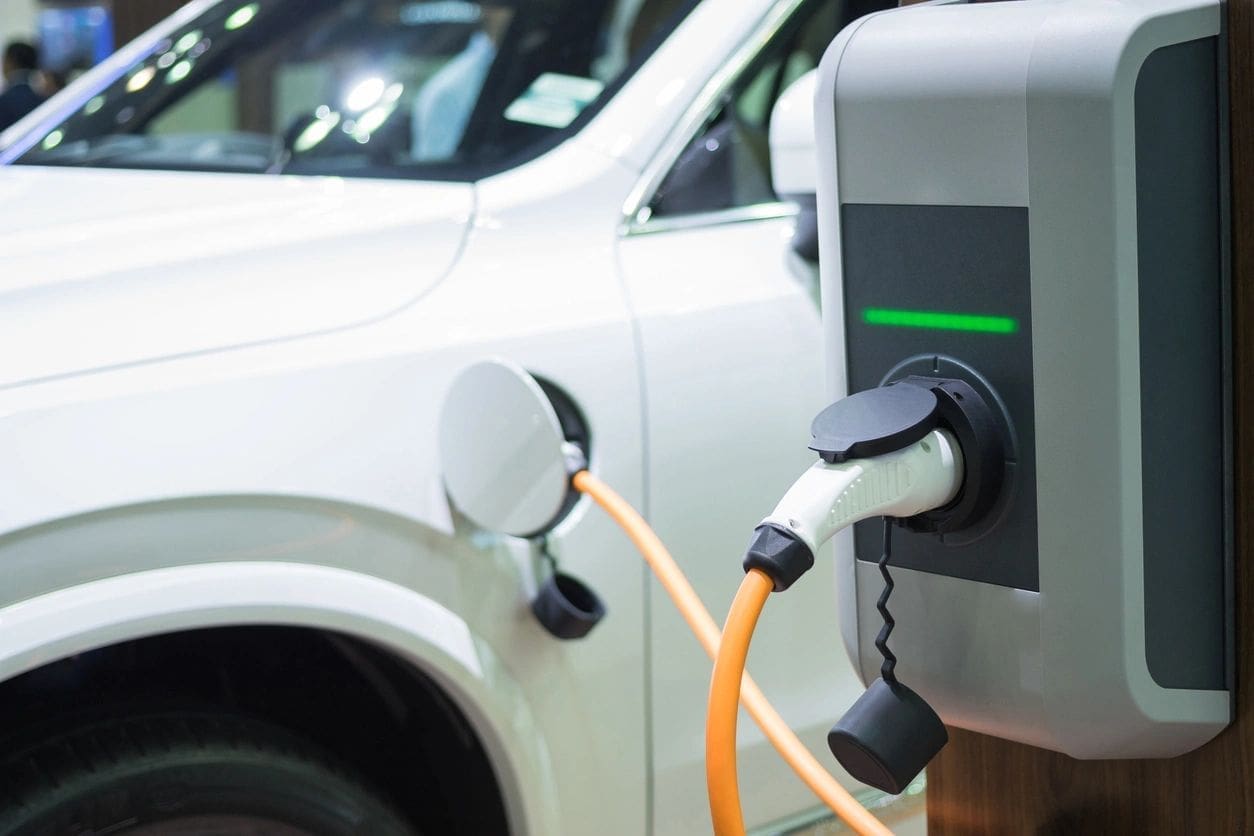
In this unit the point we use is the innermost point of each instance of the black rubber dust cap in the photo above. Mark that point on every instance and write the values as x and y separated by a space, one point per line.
874 422
567 607
887 737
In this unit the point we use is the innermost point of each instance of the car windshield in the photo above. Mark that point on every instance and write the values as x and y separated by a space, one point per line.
441 89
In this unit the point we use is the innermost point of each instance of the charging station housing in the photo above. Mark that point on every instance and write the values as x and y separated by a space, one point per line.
1030 197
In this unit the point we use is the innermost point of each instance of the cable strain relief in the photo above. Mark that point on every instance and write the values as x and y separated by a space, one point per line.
780 554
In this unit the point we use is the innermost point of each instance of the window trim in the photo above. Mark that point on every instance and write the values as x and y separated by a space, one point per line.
636 213
645 224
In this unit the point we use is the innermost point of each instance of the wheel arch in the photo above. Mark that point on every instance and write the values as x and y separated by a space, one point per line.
415 629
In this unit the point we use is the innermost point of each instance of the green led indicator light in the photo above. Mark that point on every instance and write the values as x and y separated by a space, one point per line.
940 321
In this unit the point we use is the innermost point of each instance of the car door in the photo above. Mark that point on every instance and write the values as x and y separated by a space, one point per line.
729 330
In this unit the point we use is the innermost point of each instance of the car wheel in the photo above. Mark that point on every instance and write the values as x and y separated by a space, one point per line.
185 774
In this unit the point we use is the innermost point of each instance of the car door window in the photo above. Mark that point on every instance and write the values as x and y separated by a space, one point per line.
727 164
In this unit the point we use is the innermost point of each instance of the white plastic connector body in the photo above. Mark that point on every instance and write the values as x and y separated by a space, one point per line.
830 497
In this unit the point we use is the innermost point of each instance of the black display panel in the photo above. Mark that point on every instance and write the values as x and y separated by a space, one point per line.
945 291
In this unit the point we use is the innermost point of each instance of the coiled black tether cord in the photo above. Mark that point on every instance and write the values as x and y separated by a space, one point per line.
881 641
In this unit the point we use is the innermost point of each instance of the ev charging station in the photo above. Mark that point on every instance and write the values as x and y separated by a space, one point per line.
1029 197
1022 223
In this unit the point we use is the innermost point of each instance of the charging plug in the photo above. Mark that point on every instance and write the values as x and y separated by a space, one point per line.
832 496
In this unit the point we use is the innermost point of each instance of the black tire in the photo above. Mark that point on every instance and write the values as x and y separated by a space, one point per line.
184 774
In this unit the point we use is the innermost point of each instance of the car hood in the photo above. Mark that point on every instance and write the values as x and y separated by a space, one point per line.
103 268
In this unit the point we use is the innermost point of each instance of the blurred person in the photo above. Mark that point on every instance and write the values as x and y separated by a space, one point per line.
444 104
19 65
49 82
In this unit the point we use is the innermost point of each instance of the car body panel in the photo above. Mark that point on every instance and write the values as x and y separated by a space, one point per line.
239 426
144 265
309 436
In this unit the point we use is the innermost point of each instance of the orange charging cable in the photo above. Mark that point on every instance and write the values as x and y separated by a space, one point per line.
742 689
720 717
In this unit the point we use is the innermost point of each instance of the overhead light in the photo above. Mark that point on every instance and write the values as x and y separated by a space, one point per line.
241 17
187 41
315 132
370 121
366 93
178 72
140 80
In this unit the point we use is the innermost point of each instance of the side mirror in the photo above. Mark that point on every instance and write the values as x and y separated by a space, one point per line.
794 170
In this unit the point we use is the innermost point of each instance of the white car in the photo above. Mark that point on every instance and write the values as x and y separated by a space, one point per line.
240 264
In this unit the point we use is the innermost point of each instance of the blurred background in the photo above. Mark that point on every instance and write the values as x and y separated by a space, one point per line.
46 44
74 36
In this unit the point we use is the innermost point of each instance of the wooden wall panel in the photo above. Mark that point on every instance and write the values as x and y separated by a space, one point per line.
984 785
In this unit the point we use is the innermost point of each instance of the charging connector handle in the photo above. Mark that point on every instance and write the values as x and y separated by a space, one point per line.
829 497
924 474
